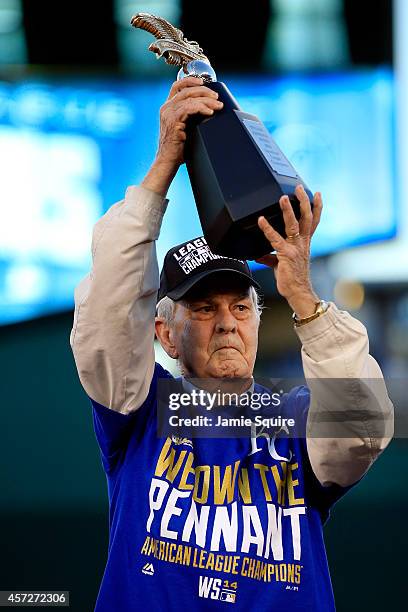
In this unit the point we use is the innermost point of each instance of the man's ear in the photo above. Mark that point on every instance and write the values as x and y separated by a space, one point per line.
164 336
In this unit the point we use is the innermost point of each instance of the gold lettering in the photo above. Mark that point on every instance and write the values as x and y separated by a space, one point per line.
228 484
179 554
165 462
218 563
282 572
153 547
187 555
210 561
243 486
243 568
183 486
291 572
292 483
262 469
280 482
257 570
145 546
205 470
297 574
171 556
201 562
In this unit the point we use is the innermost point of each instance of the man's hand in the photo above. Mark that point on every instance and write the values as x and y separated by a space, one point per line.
186 98
292 259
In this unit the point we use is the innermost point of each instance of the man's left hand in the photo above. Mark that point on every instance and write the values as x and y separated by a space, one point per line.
291 261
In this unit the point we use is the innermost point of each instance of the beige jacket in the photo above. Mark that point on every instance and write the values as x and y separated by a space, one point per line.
113 333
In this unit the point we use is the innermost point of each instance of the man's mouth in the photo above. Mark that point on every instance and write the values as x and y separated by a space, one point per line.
220 348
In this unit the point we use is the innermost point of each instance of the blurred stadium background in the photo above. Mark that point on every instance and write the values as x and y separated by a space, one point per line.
79 100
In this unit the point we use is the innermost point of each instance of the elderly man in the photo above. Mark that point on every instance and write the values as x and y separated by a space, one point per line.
202 522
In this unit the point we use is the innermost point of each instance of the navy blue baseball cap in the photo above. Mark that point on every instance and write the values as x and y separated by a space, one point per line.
188 263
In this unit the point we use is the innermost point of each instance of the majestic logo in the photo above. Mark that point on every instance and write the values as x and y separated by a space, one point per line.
148 569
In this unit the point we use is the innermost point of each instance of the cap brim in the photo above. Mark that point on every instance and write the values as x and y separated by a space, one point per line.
182 289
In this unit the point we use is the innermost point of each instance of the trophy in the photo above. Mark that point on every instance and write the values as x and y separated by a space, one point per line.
237 171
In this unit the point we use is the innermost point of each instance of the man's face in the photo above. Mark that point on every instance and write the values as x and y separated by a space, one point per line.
215 329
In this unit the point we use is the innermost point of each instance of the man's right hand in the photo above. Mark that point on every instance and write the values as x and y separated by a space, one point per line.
187 97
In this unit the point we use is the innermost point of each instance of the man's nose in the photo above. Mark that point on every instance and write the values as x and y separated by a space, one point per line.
226 322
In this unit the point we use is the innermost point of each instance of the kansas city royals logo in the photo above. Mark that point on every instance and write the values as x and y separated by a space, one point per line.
260 432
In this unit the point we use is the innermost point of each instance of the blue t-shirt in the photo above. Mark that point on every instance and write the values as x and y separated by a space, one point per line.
198 524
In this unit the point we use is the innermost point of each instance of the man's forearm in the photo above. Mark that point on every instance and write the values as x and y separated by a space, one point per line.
160 176
350 419
113 332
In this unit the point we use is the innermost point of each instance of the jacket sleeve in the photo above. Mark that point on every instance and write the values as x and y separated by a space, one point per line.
350 418
113 331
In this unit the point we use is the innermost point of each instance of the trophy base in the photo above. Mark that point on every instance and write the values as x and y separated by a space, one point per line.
242 238
238 173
